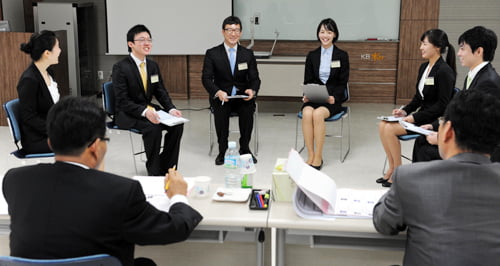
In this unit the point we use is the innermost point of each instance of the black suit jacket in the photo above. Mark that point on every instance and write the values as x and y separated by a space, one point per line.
62 210
436 96
339 76
35 102
131 99
486 80
216 74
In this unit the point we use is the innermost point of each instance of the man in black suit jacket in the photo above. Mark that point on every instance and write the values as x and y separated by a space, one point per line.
134 107
70 209
477 50
450 209
220 81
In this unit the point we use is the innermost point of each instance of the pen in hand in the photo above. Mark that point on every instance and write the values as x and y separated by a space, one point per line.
167 185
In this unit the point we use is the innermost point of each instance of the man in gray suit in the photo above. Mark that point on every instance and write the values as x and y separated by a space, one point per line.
451 208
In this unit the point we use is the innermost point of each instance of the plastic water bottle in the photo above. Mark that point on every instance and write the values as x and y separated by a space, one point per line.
232 166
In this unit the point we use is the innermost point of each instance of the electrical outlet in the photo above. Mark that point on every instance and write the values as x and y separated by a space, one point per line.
100 75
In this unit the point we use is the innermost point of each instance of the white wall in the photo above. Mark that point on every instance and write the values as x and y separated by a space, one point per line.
457 16
13 12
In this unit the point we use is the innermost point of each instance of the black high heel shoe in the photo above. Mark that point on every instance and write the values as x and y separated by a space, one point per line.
318 167
381 180
387 184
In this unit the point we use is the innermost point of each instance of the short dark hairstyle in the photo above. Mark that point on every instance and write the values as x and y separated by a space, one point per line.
475 117
232 20
73 123
329 25
134 31
39 43
480 36
439 38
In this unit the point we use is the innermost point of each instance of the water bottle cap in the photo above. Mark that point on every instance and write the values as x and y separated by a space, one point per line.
231 144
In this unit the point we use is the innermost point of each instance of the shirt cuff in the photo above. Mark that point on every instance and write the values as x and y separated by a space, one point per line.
143 114
178 198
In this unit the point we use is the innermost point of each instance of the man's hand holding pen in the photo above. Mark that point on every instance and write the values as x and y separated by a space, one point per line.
222 95
175 183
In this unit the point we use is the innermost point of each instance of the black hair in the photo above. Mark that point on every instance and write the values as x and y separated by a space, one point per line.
329 25
39 43
73 123
232 20
480 36
475 117
134 31
439 38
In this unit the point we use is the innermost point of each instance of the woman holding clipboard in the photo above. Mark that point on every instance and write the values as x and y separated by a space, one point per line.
434 89
327 65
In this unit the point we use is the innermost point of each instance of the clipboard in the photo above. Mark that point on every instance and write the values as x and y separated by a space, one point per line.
315 93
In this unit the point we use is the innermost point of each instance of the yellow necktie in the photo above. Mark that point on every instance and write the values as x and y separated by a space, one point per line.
469 81
144 76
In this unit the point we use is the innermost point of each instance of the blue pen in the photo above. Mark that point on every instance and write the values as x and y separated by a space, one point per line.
257 200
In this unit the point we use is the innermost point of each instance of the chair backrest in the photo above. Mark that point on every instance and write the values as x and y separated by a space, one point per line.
347 95
12 109
93 260
108 98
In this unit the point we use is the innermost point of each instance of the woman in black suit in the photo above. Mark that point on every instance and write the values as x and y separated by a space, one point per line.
434 89
37 90
327 65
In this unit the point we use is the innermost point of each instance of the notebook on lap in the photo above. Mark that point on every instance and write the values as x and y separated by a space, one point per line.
315 93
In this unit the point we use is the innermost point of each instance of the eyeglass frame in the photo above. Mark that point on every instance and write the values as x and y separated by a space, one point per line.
229 30
142 41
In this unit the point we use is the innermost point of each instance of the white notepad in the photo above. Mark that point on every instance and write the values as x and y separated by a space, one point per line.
170 120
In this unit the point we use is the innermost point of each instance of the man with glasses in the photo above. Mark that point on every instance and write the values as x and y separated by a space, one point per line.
136 79
450 208
231 79
70 209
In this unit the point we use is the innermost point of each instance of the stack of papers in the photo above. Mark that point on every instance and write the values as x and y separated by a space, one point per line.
390 118
170 120
154 190
412 127
317 196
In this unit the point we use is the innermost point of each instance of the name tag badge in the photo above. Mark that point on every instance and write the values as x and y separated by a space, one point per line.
335 64
429 81
155 79
242 66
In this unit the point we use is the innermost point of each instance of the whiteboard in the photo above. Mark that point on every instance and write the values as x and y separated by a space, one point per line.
298 19
178 27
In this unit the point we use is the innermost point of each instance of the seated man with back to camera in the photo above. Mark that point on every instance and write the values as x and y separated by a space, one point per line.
69 209
450 208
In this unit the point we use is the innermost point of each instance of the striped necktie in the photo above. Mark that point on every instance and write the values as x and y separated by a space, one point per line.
232 62
469 81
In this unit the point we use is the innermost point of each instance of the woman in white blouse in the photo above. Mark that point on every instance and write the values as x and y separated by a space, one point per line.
37 90
434 89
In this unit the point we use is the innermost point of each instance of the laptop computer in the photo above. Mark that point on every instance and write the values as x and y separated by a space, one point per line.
315 93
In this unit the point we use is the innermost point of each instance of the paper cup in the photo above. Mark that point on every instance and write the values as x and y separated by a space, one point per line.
246 163
201 186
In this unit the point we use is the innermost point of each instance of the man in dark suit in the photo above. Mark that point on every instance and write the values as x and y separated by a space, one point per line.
230 69
450 207
477 50
70 209
136 79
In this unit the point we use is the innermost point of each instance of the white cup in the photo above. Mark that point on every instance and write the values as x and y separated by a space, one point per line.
246 163
201 186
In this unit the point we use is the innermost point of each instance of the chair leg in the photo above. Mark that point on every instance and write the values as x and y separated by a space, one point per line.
256 132
133 151
344 155
210 133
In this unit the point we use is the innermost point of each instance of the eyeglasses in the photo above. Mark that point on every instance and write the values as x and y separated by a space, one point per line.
237 31
106 139
143 40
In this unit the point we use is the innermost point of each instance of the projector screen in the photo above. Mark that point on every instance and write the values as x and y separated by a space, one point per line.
178 27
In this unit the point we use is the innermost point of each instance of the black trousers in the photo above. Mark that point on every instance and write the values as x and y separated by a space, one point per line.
222 114
158 160
423 151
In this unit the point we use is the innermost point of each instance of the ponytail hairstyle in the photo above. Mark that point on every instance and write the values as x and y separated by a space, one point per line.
39 43
439 38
